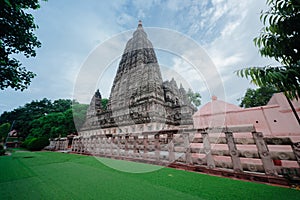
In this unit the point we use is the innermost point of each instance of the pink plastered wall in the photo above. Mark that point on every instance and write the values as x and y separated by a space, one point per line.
274 119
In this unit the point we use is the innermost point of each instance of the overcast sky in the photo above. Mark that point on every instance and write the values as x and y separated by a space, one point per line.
70 30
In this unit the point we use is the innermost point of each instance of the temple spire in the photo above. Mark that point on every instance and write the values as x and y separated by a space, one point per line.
140 24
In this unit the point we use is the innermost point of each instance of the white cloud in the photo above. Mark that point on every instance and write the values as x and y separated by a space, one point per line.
141 14
233 49
141 4
69 32
174 5
125 19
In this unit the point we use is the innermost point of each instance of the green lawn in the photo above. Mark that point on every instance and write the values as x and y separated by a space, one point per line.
49 175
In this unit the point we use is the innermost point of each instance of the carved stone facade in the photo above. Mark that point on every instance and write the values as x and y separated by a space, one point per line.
139 99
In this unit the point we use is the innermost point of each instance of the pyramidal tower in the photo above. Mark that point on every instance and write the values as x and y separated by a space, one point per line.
139 99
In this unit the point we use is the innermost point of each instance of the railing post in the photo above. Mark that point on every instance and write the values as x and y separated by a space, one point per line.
296 151
264 154
157 147
96 145
105 145
111 147
83 145
126 146
117 139
236 162
135 149
78 145
171 148
207 150
145 141
188 158
100 145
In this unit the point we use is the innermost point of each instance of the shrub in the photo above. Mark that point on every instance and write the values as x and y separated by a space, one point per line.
2 150
26 142
37 144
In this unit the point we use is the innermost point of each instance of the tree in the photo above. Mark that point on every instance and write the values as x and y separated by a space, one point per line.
44 118
257 97
24 115
194 97
59 123
51 126
4 129
279 39
16 37
62 105
79 114
104 102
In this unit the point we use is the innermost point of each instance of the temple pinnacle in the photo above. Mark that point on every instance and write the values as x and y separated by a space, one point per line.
140 23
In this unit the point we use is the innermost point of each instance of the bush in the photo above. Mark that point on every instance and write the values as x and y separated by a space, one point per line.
26 142
36 144
2 150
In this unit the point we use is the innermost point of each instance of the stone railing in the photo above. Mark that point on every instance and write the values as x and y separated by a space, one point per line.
235 149
58 144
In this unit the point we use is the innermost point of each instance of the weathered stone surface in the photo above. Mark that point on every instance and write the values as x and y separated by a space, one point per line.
139 95
237 167
264 154
207 151
296 150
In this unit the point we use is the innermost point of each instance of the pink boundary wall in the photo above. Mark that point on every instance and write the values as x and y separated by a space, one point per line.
274 119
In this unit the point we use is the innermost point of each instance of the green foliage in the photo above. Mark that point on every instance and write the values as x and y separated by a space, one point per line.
4 129
279 39
257 97
104 102
79 114
61 105
284 79
26 142
16 37
23 116
194 97
59 123
2 150
51 125
44 118
37 144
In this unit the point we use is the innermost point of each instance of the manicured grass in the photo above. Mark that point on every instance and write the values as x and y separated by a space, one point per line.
49 175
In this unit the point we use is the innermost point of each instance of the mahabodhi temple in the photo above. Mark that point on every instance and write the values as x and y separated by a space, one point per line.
153 121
